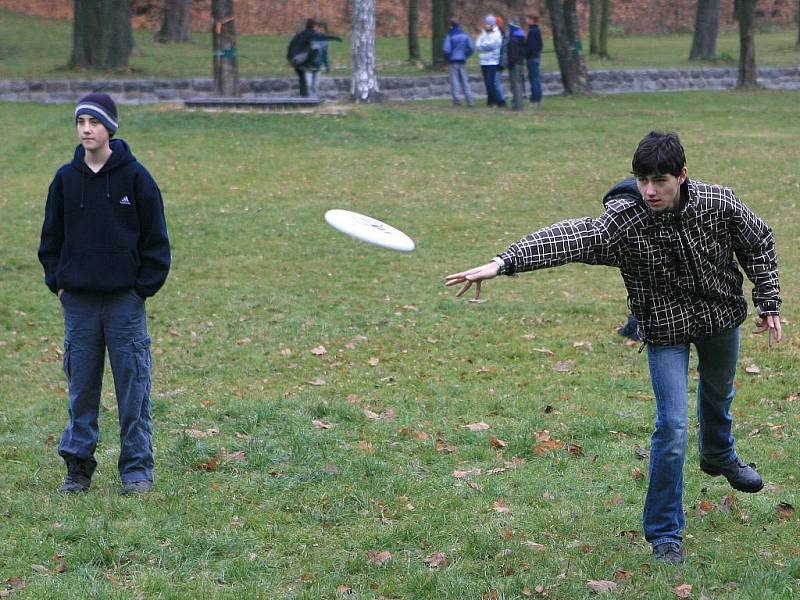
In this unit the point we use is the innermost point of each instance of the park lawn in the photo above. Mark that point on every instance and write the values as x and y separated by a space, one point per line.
36 48
255 500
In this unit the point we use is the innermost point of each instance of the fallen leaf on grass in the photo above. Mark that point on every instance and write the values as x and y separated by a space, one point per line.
239 455
535 546
379 558
373 416
365 446
306 578
436 560
545 351
286 351
462 474
421 436
374 361
318 381
477 426
564 366
575 449
622 575
211 465
321 424
442 445
41 569
636 474
319 351
600 587
684 590
500 506
641 453
498 443
704 507
752 369
344 589
196 433
785 511
542 448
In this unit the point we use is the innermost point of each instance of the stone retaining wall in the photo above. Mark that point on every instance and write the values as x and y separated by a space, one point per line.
143 91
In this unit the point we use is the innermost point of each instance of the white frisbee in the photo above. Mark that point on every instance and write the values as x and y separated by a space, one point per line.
369 230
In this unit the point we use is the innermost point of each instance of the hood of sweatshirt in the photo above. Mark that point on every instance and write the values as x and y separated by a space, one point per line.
121 155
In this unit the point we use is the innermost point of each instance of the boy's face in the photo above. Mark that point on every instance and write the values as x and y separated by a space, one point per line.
661 191
92 133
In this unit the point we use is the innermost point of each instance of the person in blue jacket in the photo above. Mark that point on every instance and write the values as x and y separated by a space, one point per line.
104 249
533 55
457 48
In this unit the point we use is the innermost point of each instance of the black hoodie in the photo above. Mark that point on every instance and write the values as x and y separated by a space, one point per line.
105 231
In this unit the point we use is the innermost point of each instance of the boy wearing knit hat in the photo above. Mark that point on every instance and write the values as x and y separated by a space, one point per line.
104 248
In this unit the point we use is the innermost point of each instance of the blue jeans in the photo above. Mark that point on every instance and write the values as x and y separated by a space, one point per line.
535 79
460 80
669 366
494 90
92 323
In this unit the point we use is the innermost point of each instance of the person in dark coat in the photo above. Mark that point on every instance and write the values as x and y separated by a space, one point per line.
533 55
104 248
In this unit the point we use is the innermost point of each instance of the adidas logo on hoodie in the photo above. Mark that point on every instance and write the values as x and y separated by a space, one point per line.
125 200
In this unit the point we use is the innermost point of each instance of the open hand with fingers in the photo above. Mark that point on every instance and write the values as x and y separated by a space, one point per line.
771 323
475 275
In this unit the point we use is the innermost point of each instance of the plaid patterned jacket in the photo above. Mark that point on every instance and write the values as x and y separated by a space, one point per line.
678 267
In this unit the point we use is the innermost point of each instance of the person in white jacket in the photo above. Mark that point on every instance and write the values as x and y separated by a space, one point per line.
489 45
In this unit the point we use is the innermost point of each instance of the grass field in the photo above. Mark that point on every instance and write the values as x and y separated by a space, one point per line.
255 500
38 48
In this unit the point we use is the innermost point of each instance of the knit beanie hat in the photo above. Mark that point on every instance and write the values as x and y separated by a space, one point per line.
101 107
490 20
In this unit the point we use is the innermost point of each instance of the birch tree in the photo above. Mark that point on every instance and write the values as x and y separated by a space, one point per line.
364 83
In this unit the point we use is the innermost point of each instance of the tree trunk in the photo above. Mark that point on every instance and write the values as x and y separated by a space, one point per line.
175 26
413 31
86 32
364 83
442 11
706 26
594 46
571 62
118 34
102 37
604 10
223 36
798 23
745 13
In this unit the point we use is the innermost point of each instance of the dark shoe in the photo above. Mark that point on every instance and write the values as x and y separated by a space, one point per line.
79 476
631 329
668 552
137 487
742 477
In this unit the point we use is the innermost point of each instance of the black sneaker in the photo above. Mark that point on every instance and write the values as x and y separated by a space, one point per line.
742 477
79 476
137 487
668 552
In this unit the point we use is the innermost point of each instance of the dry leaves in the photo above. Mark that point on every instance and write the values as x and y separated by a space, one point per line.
498 443
319 424
600 587
684 590
436 560
752 369
500 506
379 558
319 350
545 443
196 433
442 445
477 426
564 366
785 511
462 474
373 416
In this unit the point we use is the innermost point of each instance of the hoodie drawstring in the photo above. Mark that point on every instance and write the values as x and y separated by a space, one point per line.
108 186
82 176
